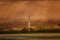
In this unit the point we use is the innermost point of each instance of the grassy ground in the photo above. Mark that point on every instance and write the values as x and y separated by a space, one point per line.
25 32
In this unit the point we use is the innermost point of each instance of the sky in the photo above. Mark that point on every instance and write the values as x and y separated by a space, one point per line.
20 10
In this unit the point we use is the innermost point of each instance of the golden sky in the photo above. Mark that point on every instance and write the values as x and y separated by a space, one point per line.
19 10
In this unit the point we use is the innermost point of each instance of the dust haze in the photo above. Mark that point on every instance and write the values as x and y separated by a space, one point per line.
40 11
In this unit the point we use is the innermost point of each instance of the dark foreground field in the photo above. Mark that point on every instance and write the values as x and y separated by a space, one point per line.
31 38
38 36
